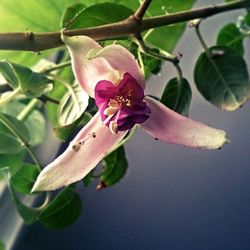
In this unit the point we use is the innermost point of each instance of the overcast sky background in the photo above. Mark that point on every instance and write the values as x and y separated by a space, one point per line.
173 198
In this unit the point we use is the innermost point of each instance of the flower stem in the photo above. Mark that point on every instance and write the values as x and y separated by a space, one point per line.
10 97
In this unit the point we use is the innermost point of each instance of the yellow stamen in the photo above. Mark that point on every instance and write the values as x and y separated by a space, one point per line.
110 110
113 126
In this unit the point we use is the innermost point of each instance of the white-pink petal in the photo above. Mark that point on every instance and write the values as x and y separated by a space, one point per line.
123 61
75 164
88 71
167 125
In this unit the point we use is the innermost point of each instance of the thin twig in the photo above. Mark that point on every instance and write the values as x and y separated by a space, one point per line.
139 14
28 41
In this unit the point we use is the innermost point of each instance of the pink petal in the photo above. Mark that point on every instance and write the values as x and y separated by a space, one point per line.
123 61
72 166
169 126
88 71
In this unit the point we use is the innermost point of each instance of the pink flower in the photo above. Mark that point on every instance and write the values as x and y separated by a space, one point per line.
112 76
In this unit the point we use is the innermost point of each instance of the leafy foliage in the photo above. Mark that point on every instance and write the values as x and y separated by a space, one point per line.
63 211
222 78
177 95
115 168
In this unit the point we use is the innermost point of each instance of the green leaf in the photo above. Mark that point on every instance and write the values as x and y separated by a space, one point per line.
166 37
57 93
9 144
28 214
2 246
71 13
98 14
230 36
25 177
177 95
35 122
12 161
63 211
64 132
31 83
18 15
222 78
115 168
72 105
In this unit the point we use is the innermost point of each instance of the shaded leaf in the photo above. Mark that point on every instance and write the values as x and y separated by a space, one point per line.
115 168
64 132
222 78
177 95
31 83
35 122
230 36
28 214
63 211
9 144
25 177
73 104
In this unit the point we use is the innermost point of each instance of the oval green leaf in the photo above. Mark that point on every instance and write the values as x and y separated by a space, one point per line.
177 95
230 36
63 211
25 177
115 168
98 14
31 83
222 78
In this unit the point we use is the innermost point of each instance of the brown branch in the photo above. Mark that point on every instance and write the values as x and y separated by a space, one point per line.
142 9
41 41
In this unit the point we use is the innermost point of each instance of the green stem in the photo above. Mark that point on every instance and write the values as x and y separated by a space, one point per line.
20 137
141 62
27 110
56 67
10 97
202 41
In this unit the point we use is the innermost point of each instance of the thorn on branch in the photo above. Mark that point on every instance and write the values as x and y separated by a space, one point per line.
138 15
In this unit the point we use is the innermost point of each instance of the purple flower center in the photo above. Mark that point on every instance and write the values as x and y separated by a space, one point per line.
121 106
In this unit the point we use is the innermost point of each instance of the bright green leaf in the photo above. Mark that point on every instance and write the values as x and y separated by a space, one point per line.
115 167
63 211
166 37
230 36
71 13
177 95
31 83
99 14
222 78
25 177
